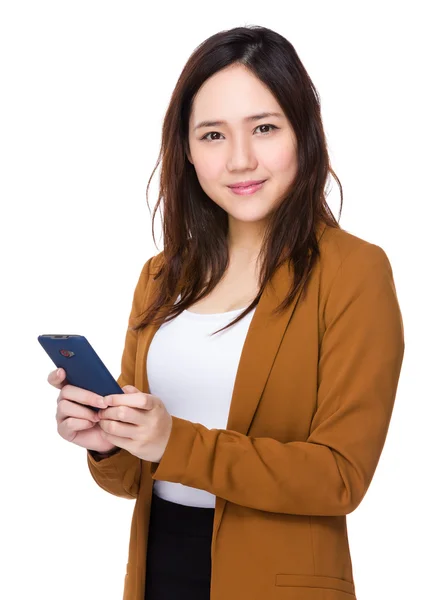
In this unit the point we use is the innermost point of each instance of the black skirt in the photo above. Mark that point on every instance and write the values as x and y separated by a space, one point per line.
178 560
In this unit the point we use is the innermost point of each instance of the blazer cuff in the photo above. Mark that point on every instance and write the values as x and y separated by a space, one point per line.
174 463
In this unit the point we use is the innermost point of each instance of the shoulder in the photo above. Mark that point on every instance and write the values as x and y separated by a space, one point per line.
354 274
150 267
339 249
146 276
155 262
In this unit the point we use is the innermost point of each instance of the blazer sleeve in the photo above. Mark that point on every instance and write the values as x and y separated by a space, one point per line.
120 473
361 354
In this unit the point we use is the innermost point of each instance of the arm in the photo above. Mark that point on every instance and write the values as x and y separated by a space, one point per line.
102 455
328 474
118 472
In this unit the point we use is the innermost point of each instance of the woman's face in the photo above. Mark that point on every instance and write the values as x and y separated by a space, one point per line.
240 150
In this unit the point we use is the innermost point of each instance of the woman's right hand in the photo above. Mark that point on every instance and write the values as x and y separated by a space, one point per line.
76 422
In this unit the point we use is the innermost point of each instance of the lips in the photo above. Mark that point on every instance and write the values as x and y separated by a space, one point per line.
246 184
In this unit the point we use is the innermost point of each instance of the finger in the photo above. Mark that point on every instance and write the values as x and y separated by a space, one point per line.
82 396
124 414
66 408
120 442
57 378
130 389
136 400
70 425
121 430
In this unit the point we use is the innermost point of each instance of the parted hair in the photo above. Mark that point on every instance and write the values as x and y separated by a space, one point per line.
195 228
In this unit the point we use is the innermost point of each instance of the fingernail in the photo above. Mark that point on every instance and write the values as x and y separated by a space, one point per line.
58 372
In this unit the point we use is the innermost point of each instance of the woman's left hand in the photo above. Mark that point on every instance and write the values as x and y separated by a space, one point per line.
136 422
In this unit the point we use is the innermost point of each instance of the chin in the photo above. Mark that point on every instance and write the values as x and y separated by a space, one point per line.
249 216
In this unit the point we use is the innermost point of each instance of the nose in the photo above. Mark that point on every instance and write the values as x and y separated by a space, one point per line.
241 155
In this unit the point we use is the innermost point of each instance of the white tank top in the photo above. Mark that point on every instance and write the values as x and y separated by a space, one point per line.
194 374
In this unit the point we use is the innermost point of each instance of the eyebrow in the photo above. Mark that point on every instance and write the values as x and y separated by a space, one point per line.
246 120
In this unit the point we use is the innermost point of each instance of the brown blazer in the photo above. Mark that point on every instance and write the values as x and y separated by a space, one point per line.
309 415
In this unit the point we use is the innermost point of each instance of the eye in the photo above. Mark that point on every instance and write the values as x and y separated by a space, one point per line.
207 139
267 125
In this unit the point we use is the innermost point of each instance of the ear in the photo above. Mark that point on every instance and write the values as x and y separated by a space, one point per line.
188 154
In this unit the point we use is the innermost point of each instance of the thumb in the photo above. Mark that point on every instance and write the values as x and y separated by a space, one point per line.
130 389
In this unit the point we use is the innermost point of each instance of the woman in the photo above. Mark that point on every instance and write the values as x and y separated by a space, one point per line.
272 340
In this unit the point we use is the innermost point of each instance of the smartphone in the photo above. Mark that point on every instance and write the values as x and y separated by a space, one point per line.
82 365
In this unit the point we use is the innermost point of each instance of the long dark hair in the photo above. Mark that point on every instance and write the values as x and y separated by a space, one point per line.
194 227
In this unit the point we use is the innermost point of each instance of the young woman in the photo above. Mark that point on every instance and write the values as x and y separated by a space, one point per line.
263 352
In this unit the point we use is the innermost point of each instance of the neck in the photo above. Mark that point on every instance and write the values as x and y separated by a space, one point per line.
245 240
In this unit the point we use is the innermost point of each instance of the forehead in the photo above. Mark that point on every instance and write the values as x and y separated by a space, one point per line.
231 95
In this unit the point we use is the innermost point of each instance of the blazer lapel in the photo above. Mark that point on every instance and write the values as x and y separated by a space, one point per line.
258 353
261 345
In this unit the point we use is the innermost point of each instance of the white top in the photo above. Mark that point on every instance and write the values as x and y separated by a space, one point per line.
194 374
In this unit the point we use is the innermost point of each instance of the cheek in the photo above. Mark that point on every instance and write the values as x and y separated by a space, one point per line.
207 166
283 160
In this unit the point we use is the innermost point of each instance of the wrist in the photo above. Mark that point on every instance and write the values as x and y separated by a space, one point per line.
101 455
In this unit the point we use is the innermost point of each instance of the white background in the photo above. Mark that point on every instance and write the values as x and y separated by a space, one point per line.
84 87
